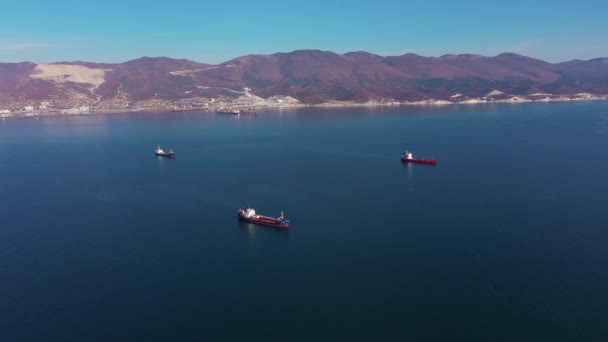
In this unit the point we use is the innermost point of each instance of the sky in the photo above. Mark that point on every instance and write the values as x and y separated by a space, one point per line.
216 31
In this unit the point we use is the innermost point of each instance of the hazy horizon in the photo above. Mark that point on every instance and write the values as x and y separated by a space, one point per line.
340 53
113 32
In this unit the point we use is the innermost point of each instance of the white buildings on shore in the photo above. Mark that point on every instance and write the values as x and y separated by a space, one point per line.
80 110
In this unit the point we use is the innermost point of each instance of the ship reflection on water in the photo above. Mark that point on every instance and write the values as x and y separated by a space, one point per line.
410 175
252 230
249 228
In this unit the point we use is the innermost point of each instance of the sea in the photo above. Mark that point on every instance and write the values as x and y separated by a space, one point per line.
506 239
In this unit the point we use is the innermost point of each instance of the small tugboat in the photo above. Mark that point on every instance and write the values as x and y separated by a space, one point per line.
249 215
159 152
407 157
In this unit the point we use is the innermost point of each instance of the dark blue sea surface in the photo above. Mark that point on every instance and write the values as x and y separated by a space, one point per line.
505 240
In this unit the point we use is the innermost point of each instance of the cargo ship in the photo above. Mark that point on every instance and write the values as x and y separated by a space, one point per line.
249 215
232 111
159 152
407 157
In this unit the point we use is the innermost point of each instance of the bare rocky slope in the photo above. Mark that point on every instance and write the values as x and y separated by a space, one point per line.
311 76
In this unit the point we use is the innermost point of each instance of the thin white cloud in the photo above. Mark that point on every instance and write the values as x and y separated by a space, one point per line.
21 46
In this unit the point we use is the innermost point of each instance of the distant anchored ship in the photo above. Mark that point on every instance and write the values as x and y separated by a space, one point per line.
407 157
228 110
159 152
249 215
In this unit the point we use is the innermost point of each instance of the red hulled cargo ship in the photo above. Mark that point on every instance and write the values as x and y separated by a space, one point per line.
407 157
249 215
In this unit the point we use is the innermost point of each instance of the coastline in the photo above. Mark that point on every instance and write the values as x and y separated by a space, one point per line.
331 104
472 101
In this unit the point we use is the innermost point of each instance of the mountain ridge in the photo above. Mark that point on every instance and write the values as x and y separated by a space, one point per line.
310 76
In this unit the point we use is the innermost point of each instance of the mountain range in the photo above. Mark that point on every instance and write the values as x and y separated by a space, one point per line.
310 76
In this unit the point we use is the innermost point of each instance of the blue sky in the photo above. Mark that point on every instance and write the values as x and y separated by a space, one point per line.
213 32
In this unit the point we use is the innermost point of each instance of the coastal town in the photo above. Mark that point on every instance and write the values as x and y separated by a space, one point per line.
248 102
245 102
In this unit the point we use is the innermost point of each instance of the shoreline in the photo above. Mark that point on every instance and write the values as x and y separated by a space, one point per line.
333 104
513 100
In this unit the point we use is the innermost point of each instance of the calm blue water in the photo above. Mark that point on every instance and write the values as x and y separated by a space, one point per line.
506 239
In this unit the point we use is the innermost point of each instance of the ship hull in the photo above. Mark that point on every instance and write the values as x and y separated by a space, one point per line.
264 221
168 155
419 161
